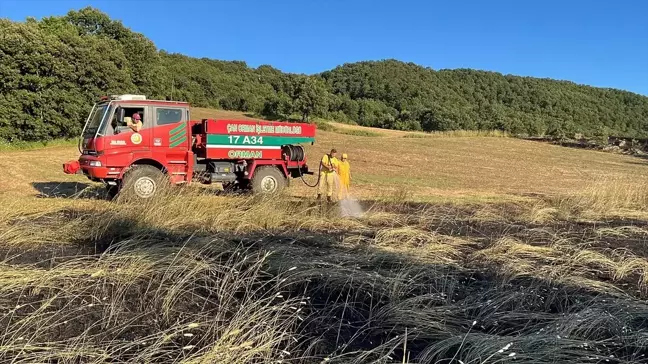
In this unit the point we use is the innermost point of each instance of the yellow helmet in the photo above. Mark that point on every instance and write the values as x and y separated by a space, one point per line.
344 156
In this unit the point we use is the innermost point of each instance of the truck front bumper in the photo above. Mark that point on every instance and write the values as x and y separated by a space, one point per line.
97 173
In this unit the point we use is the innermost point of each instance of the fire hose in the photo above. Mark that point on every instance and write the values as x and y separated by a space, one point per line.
296 153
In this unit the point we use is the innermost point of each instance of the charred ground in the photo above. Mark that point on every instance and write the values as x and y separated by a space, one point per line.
425 282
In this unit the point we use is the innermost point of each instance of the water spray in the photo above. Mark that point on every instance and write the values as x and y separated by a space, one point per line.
349 206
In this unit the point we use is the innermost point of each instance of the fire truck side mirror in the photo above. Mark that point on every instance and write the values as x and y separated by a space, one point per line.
120 115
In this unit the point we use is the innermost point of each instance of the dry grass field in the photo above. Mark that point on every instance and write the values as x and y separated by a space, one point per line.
472 249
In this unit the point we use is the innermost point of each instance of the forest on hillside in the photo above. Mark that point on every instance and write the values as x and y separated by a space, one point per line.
53 69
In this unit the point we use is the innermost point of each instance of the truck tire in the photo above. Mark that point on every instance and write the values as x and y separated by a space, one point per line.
142 182
268 180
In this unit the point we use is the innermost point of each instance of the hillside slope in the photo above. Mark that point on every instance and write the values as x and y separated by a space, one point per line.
395 94
422 166
53 70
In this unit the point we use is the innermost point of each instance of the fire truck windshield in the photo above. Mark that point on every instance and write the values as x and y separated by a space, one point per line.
97 121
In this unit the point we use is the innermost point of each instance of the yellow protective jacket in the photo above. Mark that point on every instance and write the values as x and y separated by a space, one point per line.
329 164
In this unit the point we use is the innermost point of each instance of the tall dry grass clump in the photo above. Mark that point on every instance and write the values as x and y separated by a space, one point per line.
181 211
565 262
608 196
201 302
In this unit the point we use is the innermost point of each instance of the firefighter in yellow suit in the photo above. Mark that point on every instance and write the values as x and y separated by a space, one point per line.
344 171
329 166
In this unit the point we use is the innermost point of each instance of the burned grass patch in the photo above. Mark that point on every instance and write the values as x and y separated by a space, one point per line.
414 282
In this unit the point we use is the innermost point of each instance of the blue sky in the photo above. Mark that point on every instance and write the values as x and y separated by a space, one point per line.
599 43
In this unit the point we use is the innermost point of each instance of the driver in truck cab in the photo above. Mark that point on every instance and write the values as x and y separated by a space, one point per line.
135 123
329 166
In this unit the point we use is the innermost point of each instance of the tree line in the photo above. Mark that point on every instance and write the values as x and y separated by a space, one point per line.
55 68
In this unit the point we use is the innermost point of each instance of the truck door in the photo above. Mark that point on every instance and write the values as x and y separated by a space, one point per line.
124 144
171 140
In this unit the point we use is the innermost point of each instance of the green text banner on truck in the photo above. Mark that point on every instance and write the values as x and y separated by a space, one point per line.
253 139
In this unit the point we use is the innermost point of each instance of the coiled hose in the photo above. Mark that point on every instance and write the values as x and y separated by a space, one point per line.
295 153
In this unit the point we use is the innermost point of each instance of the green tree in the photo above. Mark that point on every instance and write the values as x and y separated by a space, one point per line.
278 106
601 136
309 97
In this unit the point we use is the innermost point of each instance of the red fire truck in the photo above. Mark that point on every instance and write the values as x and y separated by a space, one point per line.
170 148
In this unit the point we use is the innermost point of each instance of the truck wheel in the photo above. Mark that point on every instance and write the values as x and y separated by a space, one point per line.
268 180
143 182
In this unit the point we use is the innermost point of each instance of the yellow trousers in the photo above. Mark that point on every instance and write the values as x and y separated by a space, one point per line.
343 192
345 183
326 183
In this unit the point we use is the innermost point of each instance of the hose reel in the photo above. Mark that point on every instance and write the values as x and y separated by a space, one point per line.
296 153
